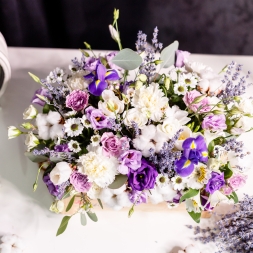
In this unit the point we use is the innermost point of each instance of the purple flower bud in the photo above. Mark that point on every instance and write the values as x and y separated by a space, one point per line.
43 92
182 56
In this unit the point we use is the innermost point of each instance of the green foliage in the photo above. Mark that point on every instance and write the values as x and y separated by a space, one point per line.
189 194
118 182
168 55
36 158
63 225
195 216
92 216
70 204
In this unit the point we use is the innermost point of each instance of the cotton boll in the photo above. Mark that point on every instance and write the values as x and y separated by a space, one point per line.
123 200
41 120
43 132
105 195
5 248
53 117
119 190
155 197
192 249
56 131
112 202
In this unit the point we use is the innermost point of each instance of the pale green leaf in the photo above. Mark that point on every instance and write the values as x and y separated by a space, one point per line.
36 158
127 59
70 204
100 203
195 216
92 216
83 219
118 182
63 225
189 194
168 55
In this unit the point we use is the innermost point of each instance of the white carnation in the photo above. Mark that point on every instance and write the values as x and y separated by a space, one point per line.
77 81
151 101
177 113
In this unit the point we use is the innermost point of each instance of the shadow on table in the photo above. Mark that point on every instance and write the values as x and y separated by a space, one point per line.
175 249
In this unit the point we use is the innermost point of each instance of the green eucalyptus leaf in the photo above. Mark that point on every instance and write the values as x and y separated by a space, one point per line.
92 216
83 219
36 158
189 194
56 159
70 204
227 171
127 59
195 216
63 225
210 147
118 182
168 55
100 203
46 108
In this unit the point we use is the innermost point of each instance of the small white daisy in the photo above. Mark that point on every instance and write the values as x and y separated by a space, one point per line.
180 88
162 180
189 80
193 204
178 183
85 121
173 74
73 127
95 139
74 146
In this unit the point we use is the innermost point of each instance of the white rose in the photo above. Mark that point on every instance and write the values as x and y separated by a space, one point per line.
60 173
13 132
30 112
111 105
169 127
135 115
31 141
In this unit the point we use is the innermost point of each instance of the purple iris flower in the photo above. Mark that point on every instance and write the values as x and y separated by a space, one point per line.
184 167
195 149
43 92
91 63
99 84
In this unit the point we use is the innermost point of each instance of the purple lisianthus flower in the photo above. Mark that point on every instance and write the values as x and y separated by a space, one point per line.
214 122
184 167
55 190
79 181
137 197
61 148
77 100
130 159
99 83
97 119
91 63
195 149
43 92
182 56
215 182
142 178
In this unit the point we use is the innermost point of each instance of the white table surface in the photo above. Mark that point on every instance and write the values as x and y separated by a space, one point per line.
25 213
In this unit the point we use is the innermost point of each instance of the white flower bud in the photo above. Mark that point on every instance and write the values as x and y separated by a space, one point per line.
13 132
143 78
31 141
114 33
138 85
30 113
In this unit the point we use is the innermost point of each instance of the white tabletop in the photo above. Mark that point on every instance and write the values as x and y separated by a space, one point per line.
25 213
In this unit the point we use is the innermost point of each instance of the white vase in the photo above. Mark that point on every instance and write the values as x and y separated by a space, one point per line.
5 69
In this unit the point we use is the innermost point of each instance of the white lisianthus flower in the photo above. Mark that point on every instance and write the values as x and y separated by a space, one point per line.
31 141
177 113
13 132
73 127
151 101
111 105
150 138
185 134
199 176
169 127
135 115
98 168
60 173
77 81
218 197
209 136
193 204
178 183
180 88
60 206
30 112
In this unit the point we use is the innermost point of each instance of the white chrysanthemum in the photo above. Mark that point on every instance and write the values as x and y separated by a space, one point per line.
74 146
151 101
169 127
94 191
188 79
180 88
135 115
85 121
199 176
178 183
11 244
150 138
77 81
95 139
111 105
197 67
98 168
193 204
177 113
73 127
185 134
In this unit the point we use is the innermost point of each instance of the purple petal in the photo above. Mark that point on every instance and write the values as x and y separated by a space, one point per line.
112 75
97 87
184 167
89 76
101 71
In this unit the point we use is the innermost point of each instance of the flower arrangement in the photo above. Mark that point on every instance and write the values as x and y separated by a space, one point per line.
126 128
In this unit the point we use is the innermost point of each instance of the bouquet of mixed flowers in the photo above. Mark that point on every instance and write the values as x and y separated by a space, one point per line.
132 127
